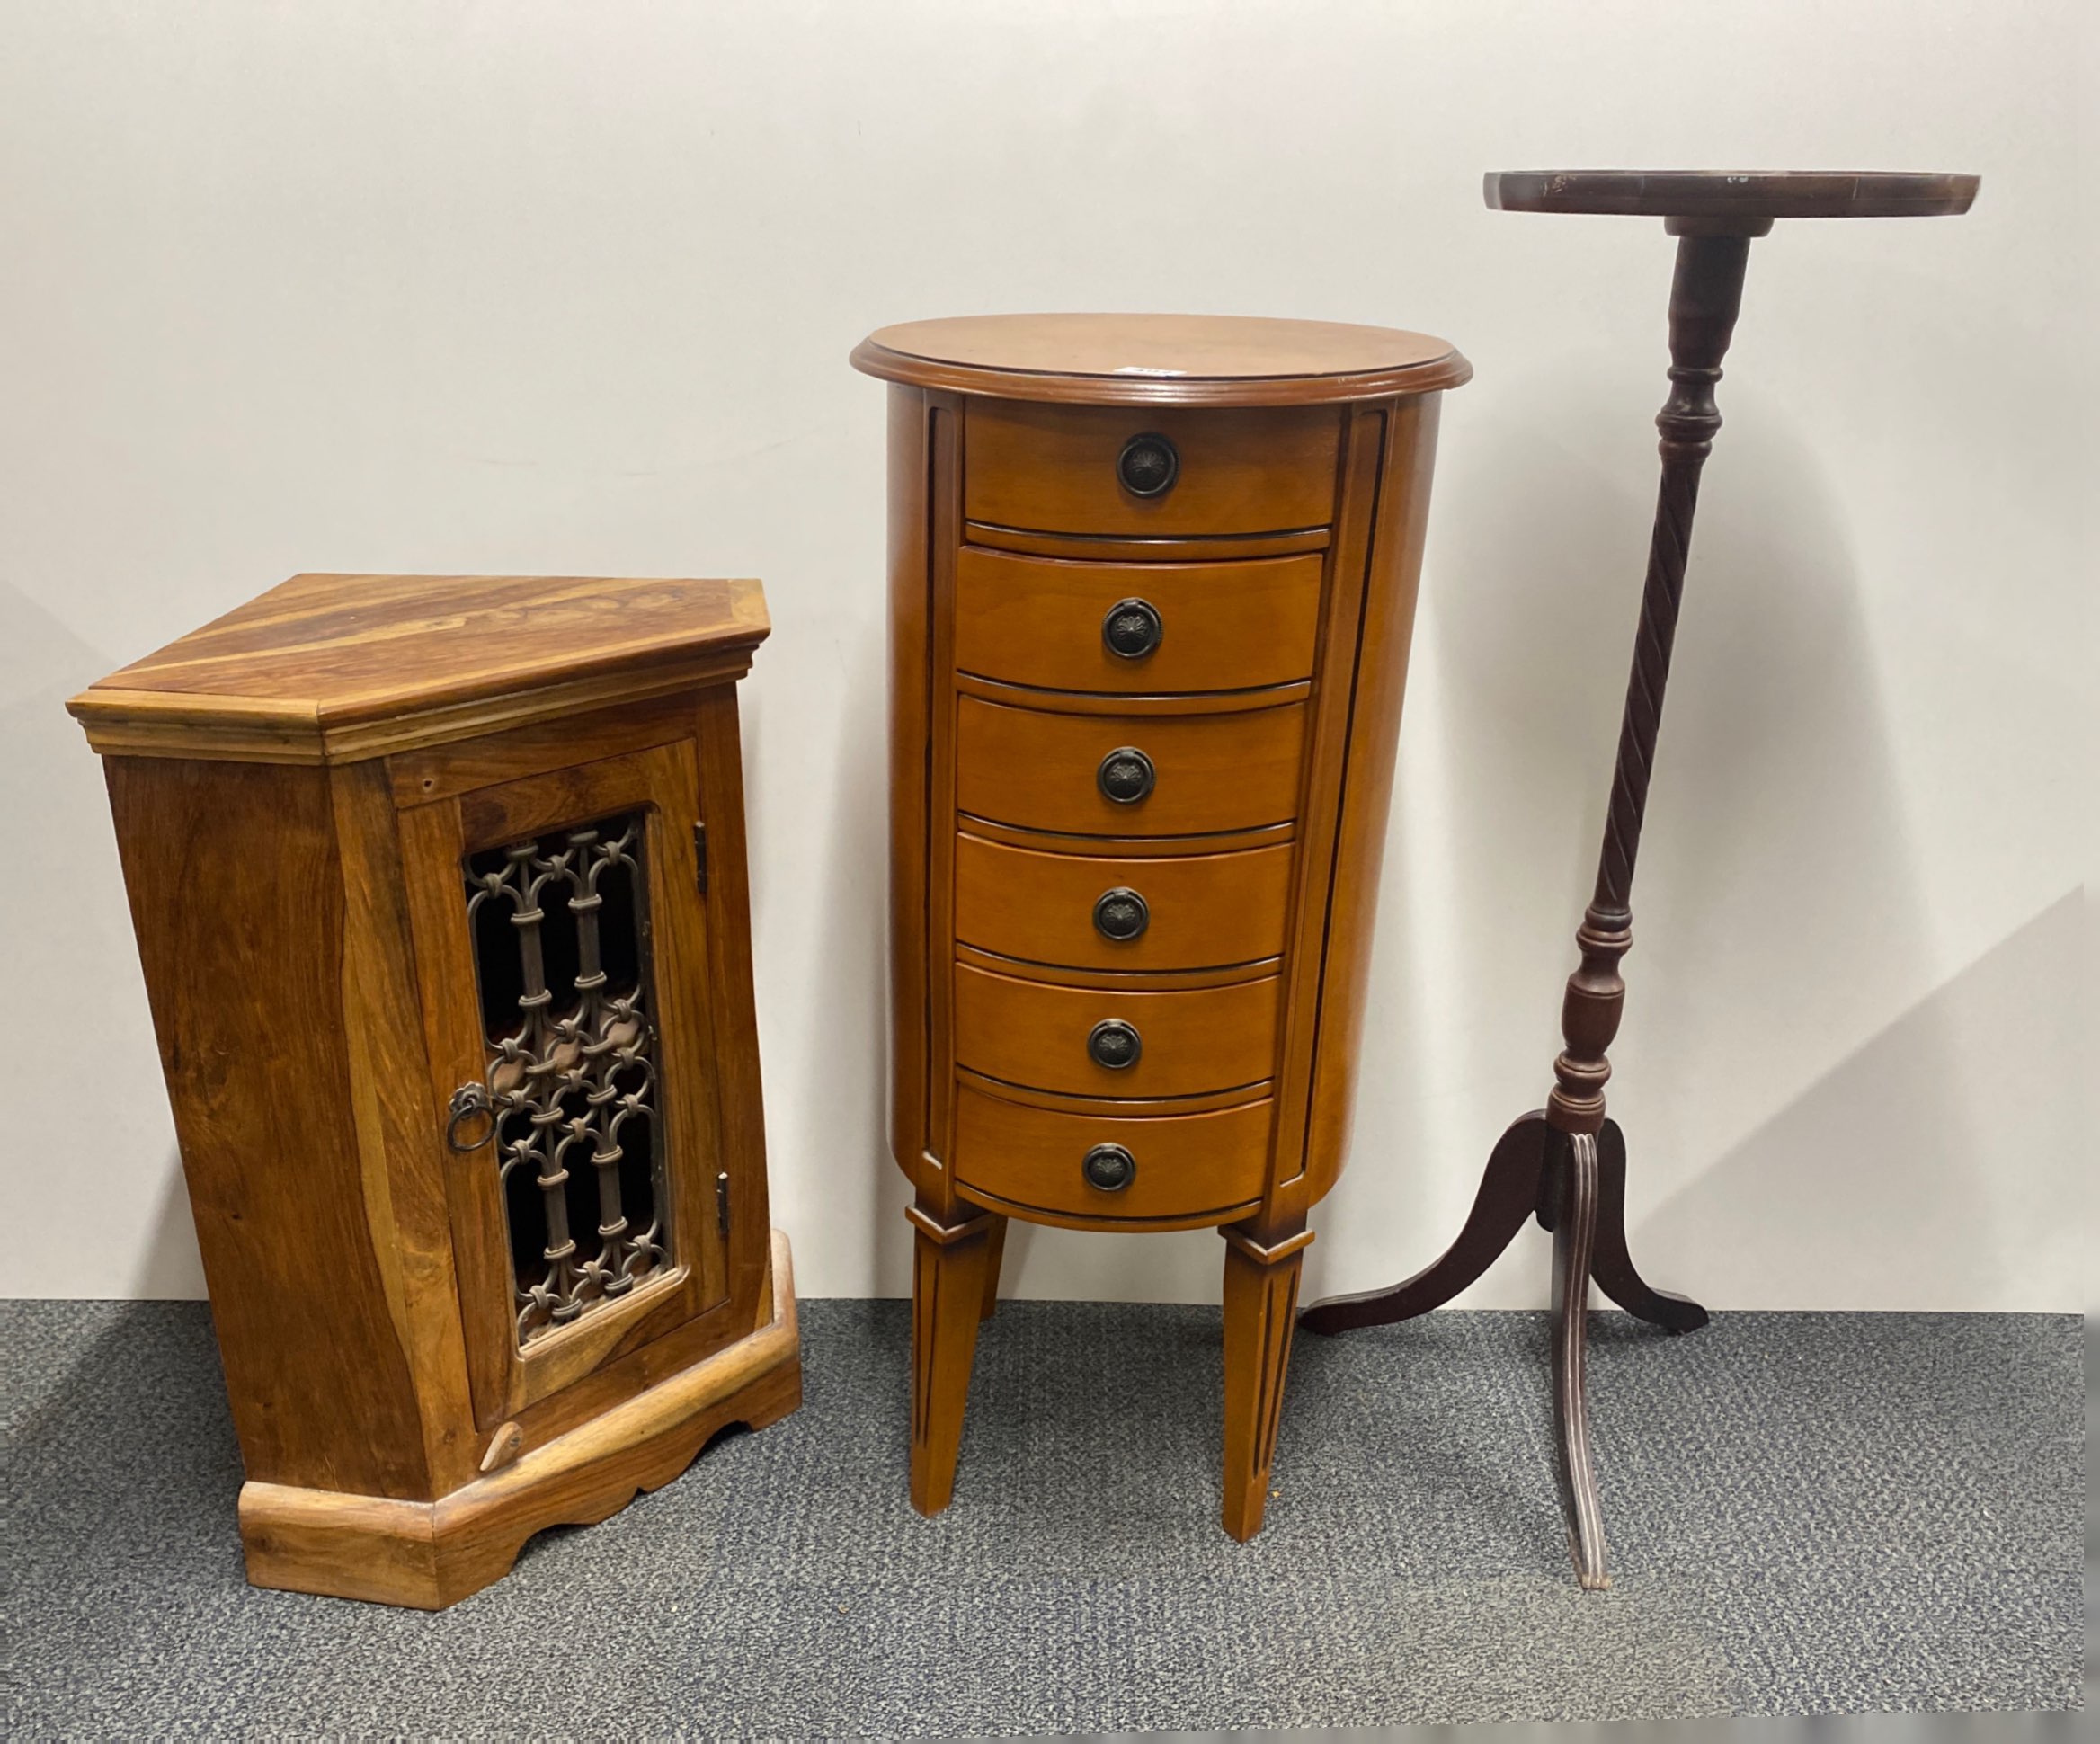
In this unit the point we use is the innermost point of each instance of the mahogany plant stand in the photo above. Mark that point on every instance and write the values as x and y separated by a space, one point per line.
1566 1164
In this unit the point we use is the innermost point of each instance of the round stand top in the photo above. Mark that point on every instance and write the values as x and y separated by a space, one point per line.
1161 359
1732 194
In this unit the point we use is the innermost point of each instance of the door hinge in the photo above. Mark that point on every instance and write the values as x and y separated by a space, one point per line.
700 856
722 1202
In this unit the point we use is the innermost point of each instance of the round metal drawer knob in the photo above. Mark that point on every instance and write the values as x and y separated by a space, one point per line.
1109 1167
1114 1044
1132 629
1127 775
1121 914
1148 465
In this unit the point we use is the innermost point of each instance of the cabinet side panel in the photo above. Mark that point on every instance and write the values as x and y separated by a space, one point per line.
911 701
1351 564
399 1127
732 999
237 902
1389 616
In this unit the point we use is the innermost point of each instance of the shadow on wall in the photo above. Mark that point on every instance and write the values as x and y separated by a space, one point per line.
169 1265
841 1125
1873 1185
89 1145
1777 919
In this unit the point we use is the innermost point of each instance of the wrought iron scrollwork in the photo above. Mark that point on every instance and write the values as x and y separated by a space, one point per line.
571 1078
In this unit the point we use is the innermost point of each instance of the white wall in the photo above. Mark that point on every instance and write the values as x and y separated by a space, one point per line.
542 287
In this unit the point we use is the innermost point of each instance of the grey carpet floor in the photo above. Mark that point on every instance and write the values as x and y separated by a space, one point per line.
1808 1513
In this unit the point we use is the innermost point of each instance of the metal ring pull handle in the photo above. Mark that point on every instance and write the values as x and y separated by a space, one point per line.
1116 1044
1132 628
1121 914
1109 1167
469 1100
1148 465
1126 776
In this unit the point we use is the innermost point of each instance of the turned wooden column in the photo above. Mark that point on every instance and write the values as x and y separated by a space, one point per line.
1705 298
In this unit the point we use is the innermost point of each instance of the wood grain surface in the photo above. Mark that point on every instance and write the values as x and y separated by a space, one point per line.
1207 910
333 667
308 954
1277 552
1216 772
1192 1040
1052 469
1188 1165
1223 626
428 1555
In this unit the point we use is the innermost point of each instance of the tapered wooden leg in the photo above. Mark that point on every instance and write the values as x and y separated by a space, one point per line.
1574 1232
949 1263
1612 1266
995 1241
1261 1296
1508 1194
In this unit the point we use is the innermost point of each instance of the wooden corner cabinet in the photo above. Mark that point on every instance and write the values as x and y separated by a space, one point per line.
1151 585
440 890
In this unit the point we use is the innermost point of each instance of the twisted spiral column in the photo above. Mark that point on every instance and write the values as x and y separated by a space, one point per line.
1705 298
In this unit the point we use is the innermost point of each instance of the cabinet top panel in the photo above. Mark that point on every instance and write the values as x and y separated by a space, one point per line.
333 668
1161 359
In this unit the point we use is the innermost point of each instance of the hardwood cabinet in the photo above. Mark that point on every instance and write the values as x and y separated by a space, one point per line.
1152 582
440 890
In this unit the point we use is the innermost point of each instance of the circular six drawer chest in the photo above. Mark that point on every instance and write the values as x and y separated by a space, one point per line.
1151 585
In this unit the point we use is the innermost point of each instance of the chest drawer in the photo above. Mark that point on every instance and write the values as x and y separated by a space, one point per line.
1199 911
1180 1165
1148 472
1088 1041
1128 775
1153 628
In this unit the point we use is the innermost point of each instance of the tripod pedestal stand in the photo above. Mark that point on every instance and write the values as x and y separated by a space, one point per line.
1566 1164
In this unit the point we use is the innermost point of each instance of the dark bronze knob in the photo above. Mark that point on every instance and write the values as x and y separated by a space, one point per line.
1114 1044
1121 914
1109 1167
1132 628
1127 775
1148 465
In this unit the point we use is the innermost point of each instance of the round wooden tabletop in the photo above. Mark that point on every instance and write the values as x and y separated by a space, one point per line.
1725 194
1161 359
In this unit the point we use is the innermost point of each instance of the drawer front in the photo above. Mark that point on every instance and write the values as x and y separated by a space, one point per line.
1184 1164
1153 628
1203 910
1086 1041
1195 773
1064 469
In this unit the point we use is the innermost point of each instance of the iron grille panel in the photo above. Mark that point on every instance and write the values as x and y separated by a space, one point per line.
562 960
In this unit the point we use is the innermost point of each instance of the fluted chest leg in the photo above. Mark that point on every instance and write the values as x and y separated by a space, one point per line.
1261 1302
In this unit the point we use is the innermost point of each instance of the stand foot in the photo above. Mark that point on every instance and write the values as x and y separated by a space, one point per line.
1262 1290
1574 1236
1508 1194
949 1263
1612 1266
1576 1184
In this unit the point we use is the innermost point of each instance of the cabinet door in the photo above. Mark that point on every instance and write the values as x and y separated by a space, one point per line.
562 954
